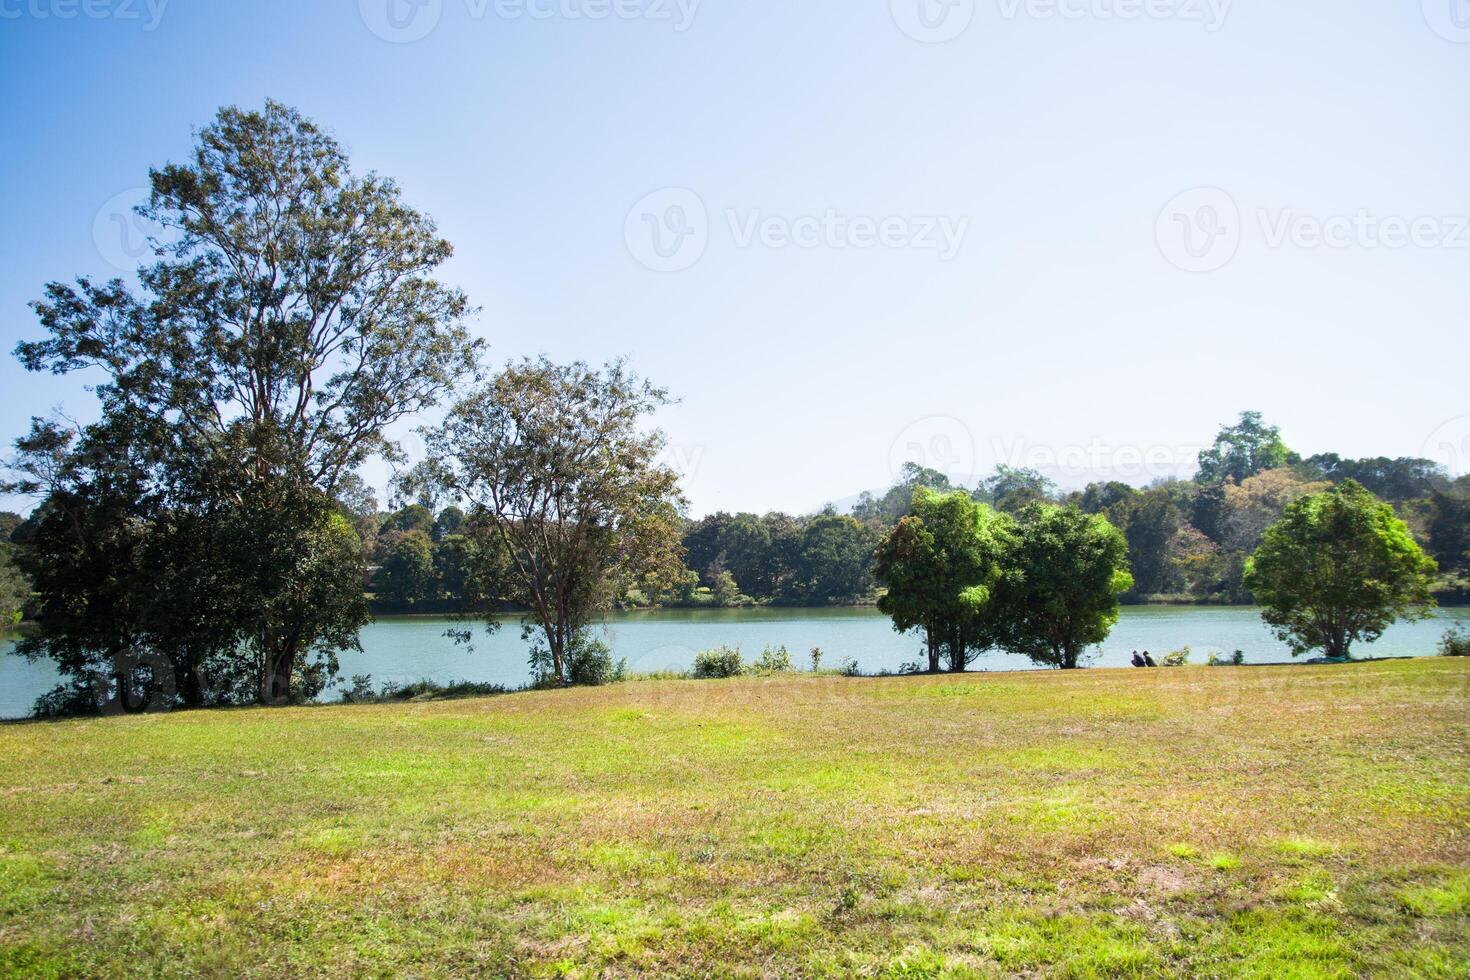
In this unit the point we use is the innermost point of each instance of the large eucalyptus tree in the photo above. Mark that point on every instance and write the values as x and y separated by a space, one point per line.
289 316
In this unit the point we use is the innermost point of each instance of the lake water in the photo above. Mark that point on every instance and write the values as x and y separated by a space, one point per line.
406 649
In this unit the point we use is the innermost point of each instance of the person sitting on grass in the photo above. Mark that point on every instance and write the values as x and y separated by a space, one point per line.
1148 660
1138 660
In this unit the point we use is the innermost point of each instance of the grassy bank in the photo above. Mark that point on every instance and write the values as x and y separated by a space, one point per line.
1296 821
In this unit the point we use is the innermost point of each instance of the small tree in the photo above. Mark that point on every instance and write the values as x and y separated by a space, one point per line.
1064 572
940 565
553 462
1337 569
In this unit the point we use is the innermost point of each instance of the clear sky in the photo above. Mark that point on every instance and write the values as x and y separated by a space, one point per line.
1078 234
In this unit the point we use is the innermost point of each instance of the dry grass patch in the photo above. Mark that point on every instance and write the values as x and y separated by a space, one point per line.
1293 821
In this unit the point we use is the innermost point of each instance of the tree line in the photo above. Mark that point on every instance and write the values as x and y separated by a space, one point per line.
1188 540
1337 569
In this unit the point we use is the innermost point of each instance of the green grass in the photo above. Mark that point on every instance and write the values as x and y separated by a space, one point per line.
1272 822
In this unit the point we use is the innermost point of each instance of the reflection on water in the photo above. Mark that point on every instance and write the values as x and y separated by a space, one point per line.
406 649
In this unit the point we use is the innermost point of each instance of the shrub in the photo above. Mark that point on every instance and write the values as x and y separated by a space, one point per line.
1179 658
723 662
360 690
1455 642
816 656
774 660
850 668
427 690
590 664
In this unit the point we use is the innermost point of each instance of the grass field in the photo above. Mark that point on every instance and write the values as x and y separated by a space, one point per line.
1271 822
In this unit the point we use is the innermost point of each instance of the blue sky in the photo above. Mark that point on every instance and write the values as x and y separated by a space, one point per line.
1077 234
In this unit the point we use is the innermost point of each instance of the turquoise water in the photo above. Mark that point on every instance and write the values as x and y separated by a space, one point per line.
407 649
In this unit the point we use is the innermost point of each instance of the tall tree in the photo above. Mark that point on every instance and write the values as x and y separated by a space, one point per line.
1339 568
898 501
290 319
554 461
1059 593
1243 450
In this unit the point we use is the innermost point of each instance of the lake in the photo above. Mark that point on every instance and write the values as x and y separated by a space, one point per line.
410 648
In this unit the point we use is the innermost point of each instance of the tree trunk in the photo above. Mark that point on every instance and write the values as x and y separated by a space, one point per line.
280 664
193 686
956 653
933 650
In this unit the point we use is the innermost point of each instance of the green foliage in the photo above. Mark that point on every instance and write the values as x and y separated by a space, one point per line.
591 664
1176 658
588 663
940 566
360 691
739 545
725 591
889 509
1339 568
1063 573
1455 642
1243 450
15 588
554 462
719 663
268 350
835 560
773 660
406 574
1011 489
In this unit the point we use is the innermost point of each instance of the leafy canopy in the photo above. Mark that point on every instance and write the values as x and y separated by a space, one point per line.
1243 450
1337 569
940 566
1064 572
553 461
